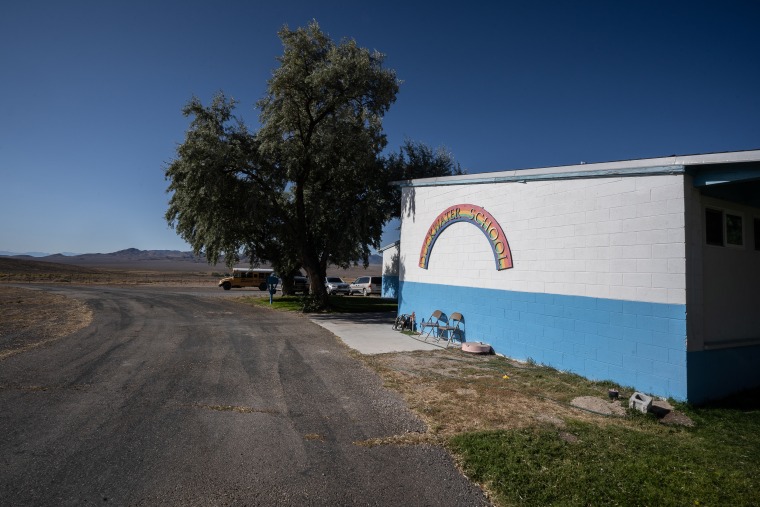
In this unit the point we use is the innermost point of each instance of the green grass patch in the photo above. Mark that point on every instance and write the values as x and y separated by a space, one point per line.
640 463
284 303
338 304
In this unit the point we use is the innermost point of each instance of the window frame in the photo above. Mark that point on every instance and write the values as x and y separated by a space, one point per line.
724 223
740 216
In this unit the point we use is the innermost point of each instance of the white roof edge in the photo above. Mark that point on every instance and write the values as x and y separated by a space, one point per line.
386 247
620 168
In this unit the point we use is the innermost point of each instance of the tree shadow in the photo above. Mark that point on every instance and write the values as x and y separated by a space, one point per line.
408 202
391 278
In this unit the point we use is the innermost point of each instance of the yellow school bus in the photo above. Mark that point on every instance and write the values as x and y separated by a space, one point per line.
246 277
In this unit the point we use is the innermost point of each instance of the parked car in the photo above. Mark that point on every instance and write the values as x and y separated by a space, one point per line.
300 283
366 285
336 285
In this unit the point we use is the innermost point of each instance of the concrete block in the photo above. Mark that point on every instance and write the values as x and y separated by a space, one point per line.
641 402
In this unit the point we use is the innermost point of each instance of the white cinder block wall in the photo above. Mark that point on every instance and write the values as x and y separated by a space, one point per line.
584 251
620 238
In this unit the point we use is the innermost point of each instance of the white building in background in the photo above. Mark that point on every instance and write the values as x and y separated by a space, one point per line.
390 270
644 272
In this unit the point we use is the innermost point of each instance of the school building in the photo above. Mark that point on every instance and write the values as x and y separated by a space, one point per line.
643 272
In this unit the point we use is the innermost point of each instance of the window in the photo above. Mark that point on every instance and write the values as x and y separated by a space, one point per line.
724 228
714 226
757 234
734 231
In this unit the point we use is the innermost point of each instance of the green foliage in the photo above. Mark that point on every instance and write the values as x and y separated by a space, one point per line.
214 205
310 187
322 124
642 464
416 160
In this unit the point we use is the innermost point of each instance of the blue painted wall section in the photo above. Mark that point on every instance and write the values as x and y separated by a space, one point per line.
637 344
714 374
390 286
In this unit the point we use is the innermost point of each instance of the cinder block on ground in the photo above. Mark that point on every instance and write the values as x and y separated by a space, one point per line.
641 402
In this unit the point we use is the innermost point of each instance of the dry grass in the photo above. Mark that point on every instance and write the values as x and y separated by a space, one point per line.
455 393
31 318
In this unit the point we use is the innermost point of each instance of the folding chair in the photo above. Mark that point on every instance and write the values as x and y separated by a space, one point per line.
434 323
452 328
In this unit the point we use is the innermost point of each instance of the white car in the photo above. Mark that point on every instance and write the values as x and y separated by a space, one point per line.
336 285
366 285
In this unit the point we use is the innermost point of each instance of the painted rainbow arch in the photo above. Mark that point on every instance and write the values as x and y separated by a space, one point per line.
477 216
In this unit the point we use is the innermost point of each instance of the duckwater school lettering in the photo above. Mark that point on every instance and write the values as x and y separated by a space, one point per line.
476 216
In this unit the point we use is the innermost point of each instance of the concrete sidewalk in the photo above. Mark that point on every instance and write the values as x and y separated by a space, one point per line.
373 333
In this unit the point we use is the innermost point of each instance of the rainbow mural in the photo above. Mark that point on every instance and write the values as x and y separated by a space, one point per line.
476 216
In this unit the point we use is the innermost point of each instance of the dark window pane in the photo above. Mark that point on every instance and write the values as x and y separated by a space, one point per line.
714 226
734 232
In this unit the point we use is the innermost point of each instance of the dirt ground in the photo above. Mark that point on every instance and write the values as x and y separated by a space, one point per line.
32 318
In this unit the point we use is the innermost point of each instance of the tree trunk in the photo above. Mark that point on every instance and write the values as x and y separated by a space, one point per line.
287 284
317 284
309 256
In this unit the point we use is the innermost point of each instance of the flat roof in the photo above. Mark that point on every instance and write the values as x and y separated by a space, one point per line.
386 247
674 164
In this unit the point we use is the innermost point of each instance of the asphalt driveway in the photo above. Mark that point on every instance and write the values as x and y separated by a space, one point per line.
373 333
177 397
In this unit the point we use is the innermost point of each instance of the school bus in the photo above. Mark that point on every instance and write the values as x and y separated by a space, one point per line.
246 277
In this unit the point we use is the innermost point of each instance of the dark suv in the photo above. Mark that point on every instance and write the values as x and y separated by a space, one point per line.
300 283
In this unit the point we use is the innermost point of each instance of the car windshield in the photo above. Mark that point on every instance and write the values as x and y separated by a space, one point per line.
334 279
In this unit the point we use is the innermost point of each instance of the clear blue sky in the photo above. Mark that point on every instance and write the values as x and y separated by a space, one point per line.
91 92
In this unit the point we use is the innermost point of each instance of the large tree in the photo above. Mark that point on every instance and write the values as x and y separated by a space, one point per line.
310 187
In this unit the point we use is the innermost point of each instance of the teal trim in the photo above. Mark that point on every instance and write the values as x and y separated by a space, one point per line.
633 343
724 173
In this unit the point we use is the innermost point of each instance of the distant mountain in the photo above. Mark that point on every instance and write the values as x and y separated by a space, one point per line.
4 253
130 259
25 254
135 259
128 255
